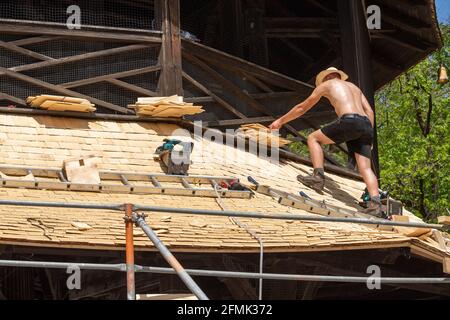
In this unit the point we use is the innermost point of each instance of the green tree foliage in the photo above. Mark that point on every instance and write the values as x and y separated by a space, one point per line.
413 115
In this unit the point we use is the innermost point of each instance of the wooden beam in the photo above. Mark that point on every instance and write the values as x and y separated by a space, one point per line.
407 42
132 87
5 96
230 62
34 40
199 99
76 58
275 95
258 96
231 26
418 2
61 90
237 122
255 33
296 49
316 33
219 100
256 82
289 33
322 7
300 22
386 63
39 30
356 53
15 48
89 116
117 75
171 81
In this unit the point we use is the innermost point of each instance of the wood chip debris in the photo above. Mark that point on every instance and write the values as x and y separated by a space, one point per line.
166 219
165 107
199 223
60 103
81 226
261 134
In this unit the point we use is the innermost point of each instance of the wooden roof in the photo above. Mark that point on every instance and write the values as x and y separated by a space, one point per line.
44 141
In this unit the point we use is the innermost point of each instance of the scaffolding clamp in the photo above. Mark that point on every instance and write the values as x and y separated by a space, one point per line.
136 217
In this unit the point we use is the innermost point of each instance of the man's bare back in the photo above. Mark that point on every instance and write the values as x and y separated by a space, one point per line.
345 97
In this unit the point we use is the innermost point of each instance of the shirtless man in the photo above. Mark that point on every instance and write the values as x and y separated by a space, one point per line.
354 126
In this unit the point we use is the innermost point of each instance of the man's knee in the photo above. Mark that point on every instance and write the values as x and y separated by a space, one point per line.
312 139
366 171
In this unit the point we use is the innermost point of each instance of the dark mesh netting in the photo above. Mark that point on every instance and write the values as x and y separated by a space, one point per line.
107 13
101 13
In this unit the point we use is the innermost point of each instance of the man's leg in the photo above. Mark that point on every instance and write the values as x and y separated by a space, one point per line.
317 180
365 169
315 142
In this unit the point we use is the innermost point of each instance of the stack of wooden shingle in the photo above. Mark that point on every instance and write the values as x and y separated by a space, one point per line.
262 134
165 107
60 103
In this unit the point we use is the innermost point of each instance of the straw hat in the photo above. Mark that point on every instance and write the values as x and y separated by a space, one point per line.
331 70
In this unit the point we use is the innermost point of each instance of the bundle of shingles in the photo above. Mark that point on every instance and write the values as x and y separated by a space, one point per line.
165 107
60 103
262 134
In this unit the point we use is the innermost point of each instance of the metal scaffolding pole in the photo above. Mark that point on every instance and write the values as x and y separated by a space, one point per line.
63 265
224 274
254 215
284 216
129 251
170 258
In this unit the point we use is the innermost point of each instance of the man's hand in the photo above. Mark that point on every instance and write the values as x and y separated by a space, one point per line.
276 125
300 109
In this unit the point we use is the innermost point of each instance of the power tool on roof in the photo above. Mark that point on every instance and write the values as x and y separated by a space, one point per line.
389 206
176 156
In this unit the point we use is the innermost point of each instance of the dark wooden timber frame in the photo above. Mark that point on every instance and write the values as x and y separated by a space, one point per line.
171 82
47 34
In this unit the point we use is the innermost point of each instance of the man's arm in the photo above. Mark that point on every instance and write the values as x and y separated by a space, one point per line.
299 109
368 109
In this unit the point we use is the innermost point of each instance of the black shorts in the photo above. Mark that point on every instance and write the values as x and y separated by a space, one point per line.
354 129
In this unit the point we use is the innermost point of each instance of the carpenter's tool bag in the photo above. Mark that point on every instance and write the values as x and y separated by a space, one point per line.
176 156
